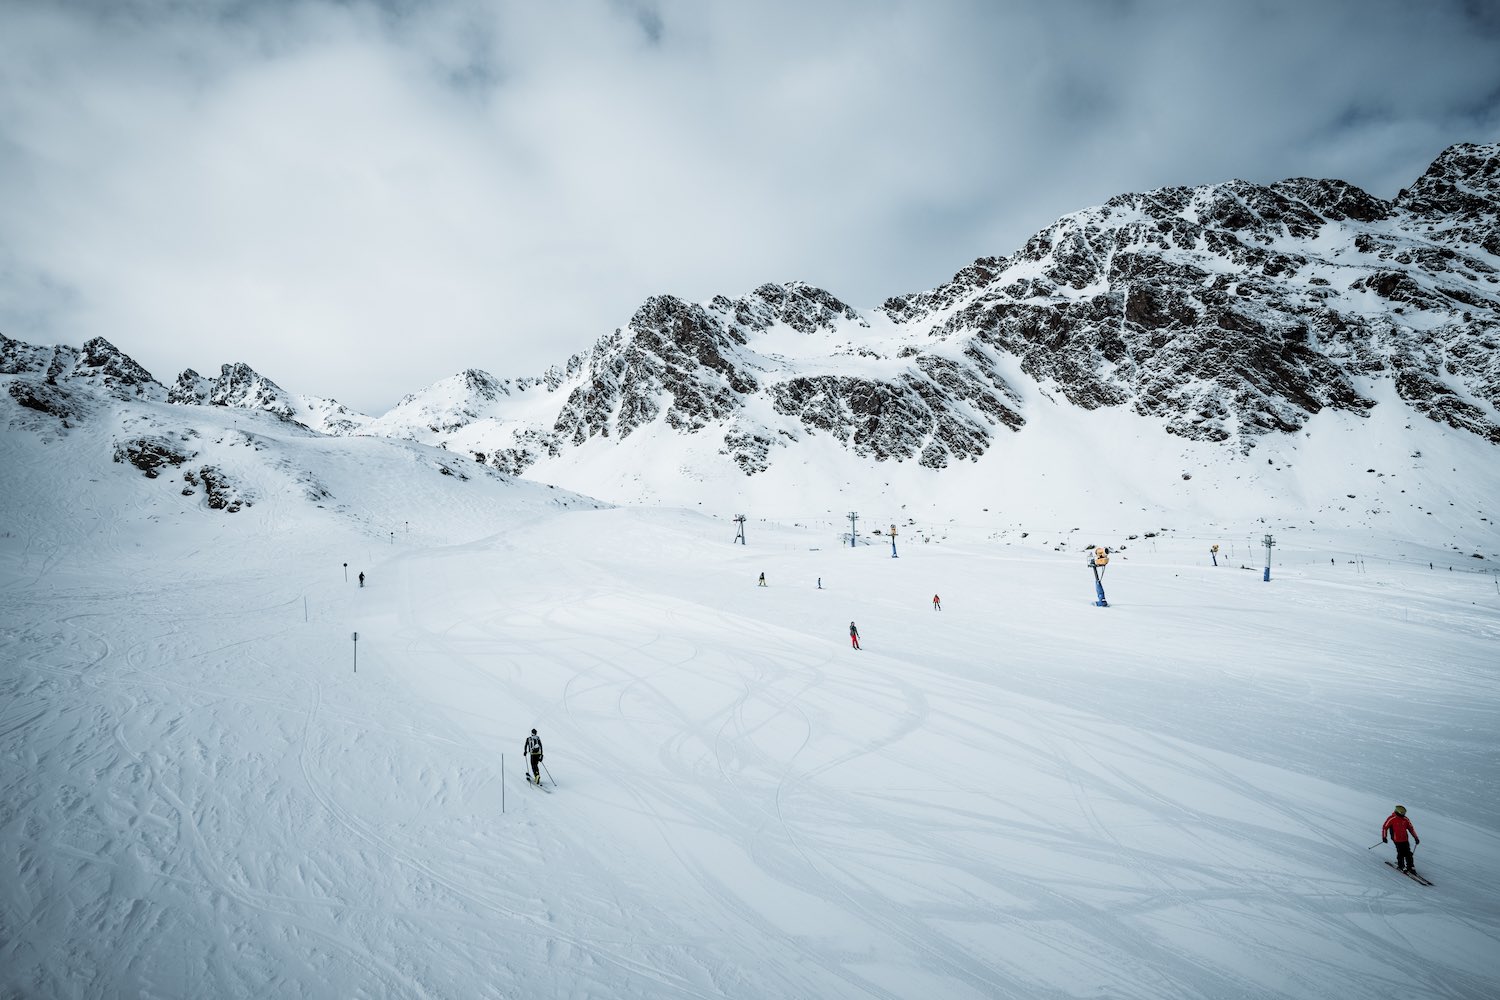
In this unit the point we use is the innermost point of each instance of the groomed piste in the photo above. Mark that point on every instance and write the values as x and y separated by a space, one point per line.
1023 796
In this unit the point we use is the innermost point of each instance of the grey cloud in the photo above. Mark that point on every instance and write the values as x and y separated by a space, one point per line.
362 197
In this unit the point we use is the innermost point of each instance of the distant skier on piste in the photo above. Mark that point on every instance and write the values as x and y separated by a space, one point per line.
762 580
937 604
853 635
1398 827
533 750
361 581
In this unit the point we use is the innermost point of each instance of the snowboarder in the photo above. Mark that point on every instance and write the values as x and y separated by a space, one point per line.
361 581
937 605
533 750
853 635
1398 826
820 583
762 580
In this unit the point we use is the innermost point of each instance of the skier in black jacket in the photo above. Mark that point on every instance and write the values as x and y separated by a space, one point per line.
533 750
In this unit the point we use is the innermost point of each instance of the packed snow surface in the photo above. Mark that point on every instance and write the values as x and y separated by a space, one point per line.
1019 795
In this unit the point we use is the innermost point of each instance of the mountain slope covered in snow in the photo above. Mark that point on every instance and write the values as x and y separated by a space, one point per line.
208 788
1223 313
228 769
1226 340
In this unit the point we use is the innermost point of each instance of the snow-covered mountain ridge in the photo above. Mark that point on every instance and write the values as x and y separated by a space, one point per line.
1227 315
116 442
1224 312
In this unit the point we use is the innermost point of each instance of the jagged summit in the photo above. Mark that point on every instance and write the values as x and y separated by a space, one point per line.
443 407
1225 314
1464 181
471 383
62 381
803 307
1235 309
98 362
238 385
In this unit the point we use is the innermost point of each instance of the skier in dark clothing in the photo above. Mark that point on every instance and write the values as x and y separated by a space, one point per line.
361 581
1397 826
853 636
533 750
762 580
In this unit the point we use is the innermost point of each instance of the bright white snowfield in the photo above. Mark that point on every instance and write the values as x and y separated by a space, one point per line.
1021 795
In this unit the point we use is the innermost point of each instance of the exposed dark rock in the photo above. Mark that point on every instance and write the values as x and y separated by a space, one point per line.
18 358
242 386
800 306
221 491
191 389
1335 200
101 362
98 363
53 400
239 386
750 451
149 453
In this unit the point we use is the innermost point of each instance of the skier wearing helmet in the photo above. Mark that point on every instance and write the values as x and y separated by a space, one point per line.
1398 827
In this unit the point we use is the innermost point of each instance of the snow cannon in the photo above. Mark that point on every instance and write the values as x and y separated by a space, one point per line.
1213 554
1097 560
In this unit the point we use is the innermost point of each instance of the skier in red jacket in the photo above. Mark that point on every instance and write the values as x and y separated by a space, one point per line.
1397 826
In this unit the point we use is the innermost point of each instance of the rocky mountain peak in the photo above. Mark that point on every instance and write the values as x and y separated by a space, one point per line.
191 389
1223 312
104 364
466 391
240 385
482 384
1226 311
443 407
1463 181
64 378
1334 200
1459 196
803 307
18 357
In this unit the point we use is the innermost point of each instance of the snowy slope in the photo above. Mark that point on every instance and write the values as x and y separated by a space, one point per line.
1020 795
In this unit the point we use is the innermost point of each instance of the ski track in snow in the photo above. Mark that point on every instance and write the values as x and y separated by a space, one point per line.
1025 796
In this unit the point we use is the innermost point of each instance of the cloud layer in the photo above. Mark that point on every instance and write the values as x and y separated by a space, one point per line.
358 198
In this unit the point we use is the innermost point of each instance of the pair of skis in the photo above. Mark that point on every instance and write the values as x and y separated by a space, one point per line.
1409 874
538 781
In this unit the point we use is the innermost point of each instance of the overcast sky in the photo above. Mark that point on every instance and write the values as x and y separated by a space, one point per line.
359 198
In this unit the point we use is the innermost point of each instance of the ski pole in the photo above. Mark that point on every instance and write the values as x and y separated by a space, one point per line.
1373 846
549 776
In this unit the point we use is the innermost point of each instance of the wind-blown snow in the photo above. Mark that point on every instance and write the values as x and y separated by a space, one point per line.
1021 795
